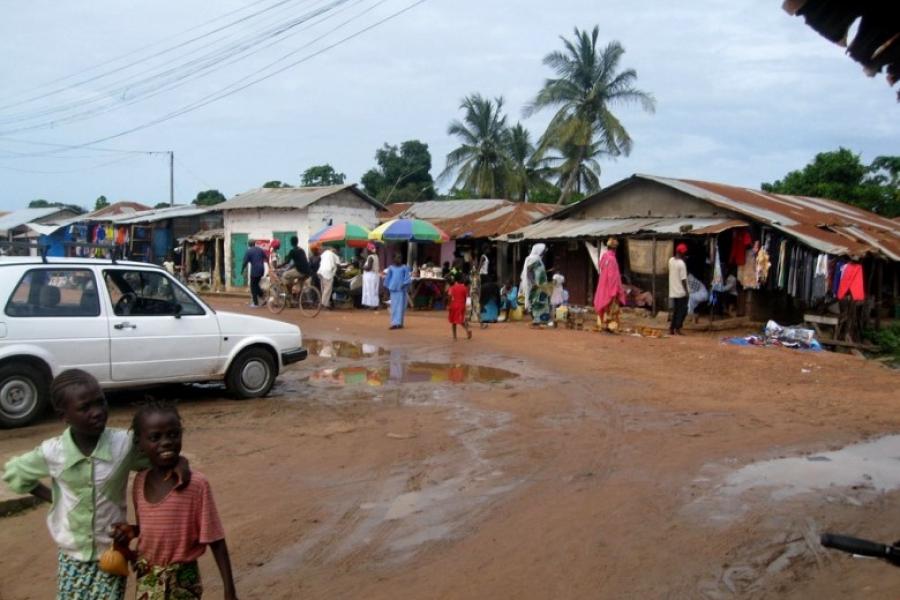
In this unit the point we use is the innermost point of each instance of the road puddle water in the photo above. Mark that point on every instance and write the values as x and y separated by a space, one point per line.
401 372
873 465
342 349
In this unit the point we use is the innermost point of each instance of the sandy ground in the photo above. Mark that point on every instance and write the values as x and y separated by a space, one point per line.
530 464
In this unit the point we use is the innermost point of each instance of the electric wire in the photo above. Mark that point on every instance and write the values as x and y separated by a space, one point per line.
138 87
253 79
141 49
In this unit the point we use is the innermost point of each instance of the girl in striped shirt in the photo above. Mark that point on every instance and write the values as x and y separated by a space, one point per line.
174 526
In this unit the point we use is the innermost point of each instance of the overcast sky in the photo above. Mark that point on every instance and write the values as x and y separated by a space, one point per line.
744 91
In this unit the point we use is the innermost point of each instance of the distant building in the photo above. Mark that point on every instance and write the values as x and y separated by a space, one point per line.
280 213
650 214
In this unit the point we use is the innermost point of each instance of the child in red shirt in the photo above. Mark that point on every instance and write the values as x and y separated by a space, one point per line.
458 293
174 526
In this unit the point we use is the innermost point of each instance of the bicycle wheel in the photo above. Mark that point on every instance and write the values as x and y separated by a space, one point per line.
310 301
277 298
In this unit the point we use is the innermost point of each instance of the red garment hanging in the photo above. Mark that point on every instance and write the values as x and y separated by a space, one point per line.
852 282
740 241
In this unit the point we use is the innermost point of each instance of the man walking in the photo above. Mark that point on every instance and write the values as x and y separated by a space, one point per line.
678 289
328 264
256 258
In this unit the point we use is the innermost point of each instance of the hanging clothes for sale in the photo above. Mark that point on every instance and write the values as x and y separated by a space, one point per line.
747 270
718 281
762 266
836 276
820 279
740 242
852 282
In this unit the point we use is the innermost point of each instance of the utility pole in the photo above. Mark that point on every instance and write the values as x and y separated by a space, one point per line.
171 178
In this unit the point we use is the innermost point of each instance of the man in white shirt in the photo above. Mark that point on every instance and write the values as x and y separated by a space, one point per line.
678 289
328 264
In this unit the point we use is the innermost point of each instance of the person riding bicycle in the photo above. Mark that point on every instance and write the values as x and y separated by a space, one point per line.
299 265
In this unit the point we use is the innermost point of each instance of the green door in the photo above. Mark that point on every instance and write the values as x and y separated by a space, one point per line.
239 245
285 238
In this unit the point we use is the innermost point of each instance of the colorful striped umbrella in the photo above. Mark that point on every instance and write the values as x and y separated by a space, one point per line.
342 234
408 230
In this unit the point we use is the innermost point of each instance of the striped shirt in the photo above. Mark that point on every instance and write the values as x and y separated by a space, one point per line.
89 492
177 528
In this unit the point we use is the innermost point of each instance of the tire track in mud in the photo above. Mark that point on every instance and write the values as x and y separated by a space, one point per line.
406 511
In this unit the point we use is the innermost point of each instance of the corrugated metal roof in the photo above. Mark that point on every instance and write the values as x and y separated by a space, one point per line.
561 229
160 214
204 236
20 217
496 220
826 225
116 208
432 210
299 197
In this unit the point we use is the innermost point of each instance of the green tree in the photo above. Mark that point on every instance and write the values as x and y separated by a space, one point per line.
529 171
209 198
841 175
276 184
41 203
403 174
321 175
587 85
481 163
101 202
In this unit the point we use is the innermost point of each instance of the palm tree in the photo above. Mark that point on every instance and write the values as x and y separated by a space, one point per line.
579 166
529 169
588 83
481 162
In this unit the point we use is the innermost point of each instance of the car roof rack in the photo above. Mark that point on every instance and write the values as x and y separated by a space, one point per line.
114 249
42 248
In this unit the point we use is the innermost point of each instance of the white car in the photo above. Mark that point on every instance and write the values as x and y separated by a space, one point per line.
128 324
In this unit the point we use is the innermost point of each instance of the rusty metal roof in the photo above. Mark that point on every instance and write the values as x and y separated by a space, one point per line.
825 225
484 218
564 229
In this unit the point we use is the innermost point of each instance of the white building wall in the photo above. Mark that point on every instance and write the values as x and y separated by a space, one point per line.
261 223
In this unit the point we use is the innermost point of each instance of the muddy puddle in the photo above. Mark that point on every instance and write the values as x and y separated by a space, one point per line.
874 465
342 349
401 372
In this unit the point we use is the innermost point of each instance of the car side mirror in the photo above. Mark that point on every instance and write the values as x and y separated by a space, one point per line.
176 311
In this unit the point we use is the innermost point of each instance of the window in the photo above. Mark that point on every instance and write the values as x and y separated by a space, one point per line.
148 293
55 293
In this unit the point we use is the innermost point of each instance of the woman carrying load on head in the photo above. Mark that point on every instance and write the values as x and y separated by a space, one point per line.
535 287
610 294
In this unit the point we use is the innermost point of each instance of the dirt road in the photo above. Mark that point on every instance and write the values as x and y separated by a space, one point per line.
532 464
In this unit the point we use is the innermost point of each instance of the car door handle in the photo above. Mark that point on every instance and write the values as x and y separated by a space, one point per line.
125 325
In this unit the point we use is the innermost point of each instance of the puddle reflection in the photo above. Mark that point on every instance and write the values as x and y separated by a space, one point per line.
342 349
409 372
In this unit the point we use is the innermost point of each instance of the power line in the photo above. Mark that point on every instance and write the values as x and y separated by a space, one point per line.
141 49
248 81
138 87
86 168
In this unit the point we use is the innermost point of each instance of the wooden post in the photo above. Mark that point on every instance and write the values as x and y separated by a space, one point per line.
879 265
217 283
653 279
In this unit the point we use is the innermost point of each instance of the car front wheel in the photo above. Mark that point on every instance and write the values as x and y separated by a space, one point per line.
23 394
252 374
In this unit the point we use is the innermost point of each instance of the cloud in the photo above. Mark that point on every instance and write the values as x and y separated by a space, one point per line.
745 93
